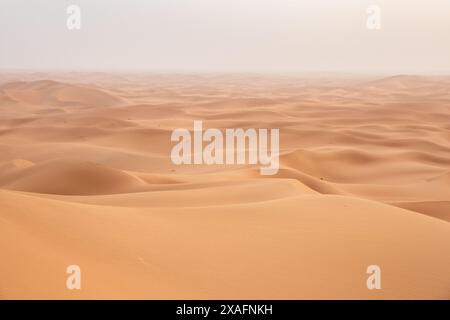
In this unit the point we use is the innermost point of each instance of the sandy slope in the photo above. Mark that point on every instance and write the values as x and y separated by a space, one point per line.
86 178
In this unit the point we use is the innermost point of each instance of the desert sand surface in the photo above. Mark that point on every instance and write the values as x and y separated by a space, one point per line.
86 179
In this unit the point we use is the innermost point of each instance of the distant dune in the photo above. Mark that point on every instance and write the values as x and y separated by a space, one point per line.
54 93
86 178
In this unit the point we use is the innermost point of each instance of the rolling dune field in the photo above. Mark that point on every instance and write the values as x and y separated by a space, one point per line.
86 178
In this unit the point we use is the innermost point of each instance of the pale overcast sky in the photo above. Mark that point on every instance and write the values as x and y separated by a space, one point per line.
227 35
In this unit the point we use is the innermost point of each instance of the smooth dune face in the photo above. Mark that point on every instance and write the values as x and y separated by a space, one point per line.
86 179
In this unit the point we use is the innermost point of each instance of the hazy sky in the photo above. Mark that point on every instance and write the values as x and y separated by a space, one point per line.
227 35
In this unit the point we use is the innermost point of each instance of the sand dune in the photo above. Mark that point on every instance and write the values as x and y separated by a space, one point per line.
86 178
285 248
54 93
72 177
438 209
